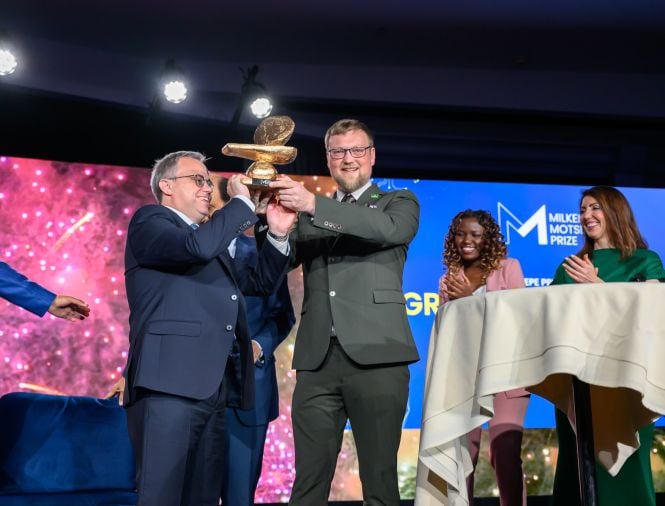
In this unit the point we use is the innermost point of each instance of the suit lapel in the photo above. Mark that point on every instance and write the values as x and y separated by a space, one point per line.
367 199
370 196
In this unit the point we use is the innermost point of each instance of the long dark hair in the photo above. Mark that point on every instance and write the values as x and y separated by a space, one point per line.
622 230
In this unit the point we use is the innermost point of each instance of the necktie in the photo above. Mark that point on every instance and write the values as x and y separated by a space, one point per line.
350 199
194 226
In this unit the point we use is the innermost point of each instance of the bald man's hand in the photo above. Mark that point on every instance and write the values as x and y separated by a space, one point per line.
235 186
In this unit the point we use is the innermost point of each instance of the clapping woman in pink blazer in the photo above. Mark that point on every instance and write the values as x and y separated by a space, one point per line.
474 255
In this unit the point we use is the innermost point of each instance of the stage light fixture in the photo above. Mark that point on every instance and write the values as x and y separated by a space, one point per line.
175 91
253 95
8 58
8 62
261 107
173 83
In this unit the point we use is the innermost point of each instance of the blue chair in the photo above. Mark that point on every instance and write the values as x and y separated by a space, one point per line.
57 450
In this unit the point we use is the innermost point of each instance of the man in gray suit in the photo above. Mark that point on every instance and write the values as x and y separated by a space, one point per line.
354 341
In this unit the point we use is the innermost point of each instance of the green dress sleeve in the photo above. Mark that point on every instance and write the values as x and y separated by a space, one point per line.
653 266
560 277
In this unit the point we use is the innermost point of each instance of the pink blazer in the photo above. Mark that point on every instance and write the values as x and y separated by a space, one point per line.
508 275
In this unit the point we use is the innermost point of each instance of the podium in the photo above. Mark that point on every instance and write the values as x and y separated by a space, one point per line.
610 336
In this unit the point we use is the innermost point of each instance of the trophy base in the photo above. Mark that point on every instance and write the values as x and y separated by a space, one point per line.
256 183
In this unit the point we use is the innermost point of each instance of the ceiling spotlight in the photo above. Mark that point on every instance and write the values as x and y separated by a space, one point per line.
261 107
173 83
254 95
8 59
175 91
8 62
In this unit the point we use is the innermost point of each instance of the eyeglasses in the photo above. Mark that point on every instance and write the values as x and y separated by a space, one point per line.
198 179
356 152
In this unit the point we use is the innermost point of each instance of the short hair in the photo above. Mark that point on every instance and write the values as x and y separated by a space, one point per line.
167 166
493 250
622 230
346 125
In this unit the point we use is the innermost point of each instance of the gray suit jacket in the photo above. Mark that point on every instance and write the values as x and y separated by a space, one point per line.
353 259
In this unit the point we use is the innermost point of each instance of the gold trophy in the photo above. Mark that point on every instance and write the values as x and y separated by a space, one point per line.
268 149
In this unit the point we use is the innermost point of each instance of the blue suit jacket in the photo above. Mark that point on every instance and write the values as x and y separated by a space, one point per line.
186 303
270 320
19 290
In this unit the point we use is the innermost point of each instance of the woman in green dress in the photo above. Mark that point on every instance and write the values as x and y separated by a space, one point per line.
614 250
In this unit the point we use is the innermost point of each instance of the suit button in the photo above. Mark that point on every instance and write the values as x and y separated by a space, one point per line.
332 293
229 328
234 297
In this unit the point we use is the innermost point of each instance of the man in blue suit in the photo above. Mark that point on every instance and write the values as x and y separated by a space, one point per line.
187 311
19 290
270 319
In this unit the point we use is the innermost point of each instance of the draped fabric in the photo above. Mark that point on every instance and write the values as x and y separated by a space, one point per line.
629 479
609 335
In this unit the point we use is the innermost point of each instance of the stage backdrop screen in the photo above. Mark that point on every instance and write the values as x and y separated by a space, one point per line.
64 227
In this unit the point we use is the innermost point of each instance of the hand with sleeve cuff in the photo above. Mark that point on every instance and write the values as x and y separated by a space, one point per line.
69 308
280 219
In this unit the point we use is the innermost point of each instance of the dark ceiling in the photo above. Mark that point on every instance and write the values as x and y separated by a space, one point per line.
440 79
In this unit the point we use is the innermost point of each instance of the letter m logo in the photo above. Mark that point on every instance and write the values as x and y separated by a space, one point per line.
510 223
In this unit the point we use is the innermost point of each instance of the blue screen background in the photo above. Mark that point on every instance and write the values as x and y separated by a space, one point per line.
516 204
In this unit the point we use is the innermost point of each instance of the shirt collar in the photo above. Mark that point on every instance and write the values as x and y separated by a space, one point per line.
356 194
182 215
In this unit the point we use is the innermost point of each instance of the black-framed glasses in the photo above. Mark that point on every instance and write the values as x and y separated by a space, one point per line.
356 152
198 179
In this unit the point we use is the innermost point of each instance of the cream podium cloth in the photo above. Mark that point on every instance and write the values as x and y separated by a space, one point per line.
610 335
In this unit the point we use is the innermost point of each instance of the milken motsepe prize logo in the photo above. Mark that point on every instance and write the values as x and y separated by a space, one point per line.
551 228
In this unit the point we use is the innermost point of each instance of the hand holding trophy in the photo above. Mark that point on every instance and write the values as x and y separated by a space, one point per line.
268 149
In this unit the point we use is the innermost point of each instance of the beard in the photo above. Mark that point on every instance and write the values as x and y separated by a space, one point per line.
350 184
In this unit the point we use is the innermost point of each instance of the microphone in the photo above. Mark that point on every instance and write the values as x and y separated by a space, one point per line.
639 277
